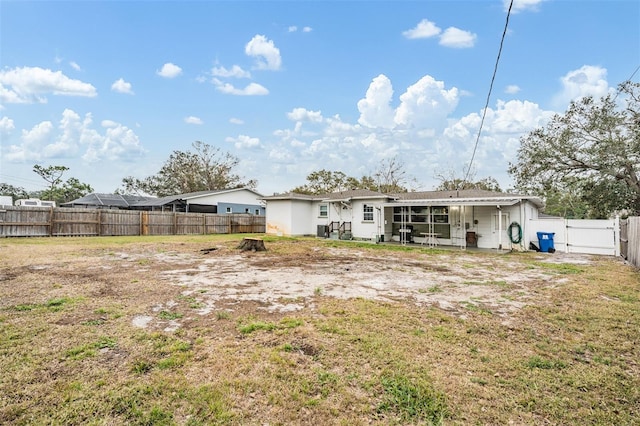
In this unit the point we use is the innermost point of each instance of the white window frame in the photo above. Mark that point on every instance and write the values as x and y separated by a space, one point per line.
367 210
323 212
229 209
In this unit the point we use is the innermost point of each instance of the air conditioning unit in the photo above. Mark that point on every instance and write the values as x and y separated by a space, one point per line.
323 231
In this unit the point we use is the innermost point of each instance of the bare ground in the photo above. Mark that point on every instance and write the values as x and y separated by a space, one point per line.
221 278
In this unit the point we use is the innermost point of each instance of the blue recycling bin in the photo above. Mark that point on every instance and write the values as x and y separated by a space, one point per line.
545 239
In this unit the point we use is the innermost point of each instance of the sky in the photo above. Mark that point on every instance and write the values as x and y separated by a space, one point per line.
110 89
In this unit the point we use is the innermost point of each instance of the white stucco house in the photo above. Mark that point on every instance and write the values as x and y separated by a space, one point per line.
466 218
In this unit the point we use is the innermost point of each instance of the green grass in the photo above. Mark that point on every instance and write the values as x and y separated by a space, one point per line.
70 354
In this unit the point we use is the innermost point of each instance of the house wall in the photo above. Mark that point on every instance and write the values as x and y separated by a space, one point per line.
240 196
289 217
366 229
240 208
352 212
488 228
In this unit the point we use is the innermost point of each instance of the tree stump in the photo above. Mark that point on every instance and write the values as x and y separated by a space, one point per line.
253 244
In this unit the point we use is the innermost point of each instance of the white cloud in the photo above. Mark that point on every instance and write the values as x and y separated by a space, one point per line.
512 89
588 80
307 29
192 120
234 120
32 84
75 66
292 29
235 71
75 135
457 38
265 52
426 104
302 114
169 70
244 141
33 141
424 29
6 125
521 5
121 86
253 89
375 109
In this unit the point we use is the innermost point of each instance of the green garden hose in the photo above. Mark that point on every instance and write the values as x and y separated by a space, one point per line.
518 238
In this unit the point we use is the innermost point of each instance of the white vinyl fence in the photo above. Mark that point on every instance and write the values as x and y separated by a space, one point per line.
579 235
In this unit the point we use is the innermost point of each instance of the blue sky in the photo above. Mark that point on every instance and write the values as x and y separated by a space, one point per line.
111 88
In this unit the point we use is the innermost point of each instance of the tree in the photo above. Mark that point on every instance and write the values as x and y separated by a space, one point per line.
324 182
15 192
51 174
60 191
450 182
391 177
593 149
206 168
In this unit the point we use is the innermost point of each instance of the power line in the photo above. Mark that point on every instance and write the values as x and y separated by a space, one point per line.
486 105
629 79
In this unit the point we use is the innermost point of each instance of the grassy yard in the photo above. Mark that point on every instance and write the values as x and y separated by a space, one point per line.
70 352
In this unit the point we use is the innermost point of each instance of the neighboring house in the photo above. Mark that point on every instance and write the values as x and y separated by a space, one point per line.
237 200
106 201
467 218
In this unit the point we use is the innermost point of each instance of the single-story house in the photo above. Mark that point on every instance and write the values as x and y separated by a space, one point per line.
222 201
465 218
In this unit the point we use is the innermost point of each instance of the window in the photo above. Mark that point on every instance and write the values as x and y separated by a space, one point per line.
246 211
324 210
257 212
440 214
229 210
367 213
399 212
419 214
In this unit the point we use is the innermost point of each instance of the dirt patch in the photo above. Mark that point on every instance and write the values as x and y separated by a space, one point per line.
289 277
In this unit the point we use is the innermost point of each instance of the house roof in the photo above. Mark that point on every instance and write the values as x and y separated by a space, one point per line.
465 197
108 200
334 196
117 200
462 197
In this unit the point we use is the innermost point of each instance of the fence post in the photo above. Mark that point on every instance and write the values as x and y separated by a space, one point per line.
616 235
51 221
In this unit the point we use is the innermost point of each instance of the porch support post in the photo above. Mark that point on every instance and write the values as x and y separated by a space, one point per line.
499 228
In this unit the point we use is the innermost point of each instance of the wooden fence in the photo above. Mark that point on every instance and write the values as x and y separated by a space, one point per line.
57 222
630 240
